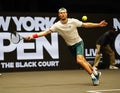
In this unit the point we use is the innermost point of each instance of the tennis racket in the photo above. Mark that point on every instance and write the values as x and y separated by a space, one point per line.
15 38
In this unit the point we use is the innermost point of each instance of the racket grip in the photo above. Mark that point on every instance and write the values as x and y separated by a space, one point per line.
35 36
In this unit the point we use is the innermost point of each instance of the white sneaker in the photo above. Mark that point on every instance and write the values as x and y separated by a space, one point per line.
0 74
113 67
95 81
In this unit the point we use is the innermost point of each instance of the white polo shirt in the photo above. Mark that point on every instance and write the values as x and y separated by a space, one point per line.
68 31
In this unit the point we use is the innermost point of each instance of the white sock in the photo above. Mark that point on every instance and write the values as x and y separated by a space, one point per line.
95 71
93 76
94 68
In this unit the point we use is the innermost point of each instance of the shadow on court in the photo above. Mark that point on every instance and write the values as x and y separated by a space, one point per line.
64 81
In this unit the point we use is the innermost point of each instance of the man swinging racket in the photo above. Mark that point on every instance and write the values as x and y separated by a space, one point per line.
67 28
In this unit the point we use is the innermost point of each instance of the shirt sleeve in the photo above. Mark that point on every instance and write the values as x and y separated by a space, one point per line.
53 28
77 22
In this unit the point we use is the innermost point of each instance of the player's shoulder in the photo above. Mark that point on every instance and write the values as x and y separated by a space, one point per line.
73 19
58 22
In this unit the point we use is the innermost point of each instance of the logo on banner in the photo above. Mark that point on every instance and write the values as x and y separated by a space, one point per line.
28 24
117 44
27 51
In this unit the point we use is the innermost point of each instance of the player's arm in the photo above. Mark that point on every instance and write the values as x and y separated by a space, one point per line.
40 34
92 25
43 33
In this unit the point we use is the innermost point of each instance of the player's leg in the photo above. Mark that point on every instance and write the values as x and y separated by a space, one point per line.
80 57
82 61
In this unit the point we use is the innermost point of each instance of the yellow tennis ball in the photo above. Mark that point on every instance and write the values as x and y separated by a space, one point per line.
84 18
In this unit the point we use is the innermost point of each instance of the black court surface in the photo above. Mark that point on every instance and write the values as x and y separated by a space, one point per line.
64 81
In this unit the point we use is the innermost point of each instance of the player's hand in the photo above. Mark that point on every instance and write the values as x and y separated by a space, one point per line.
28 38
103 23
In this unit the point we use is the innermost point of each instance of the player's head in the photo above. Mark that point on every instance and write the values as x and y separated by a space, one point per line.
62 12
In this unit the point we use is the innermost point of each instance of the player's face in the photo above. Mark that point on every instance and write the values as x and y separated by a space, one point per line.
63 15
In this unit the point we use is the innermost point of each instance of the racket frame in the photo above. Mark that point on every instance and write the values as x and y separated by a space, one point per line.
17 36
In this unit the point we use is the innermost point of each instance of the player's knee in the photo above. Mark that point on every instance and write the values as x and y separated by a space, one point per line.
80 58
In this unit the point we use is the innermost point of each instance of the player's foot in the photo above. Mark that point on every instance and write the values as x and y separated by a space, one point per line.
95 81
113 67
98 75
0 74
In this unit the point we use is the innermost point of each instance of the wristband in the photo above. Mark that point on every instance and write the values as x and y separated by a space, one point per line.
35 36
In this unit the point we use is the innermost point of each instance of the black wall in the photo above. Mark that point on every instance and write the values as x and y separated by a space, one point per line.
88 6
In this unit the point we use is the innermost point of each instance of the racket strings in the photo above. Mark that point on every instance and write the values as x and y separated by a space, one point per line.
15 38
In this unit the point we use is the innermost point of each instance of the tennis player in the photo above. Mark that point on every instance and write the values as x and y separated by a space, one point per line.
67 28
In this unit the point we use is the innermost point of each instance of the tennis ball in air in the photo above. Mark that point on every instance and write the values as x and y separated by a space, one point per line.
84 18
